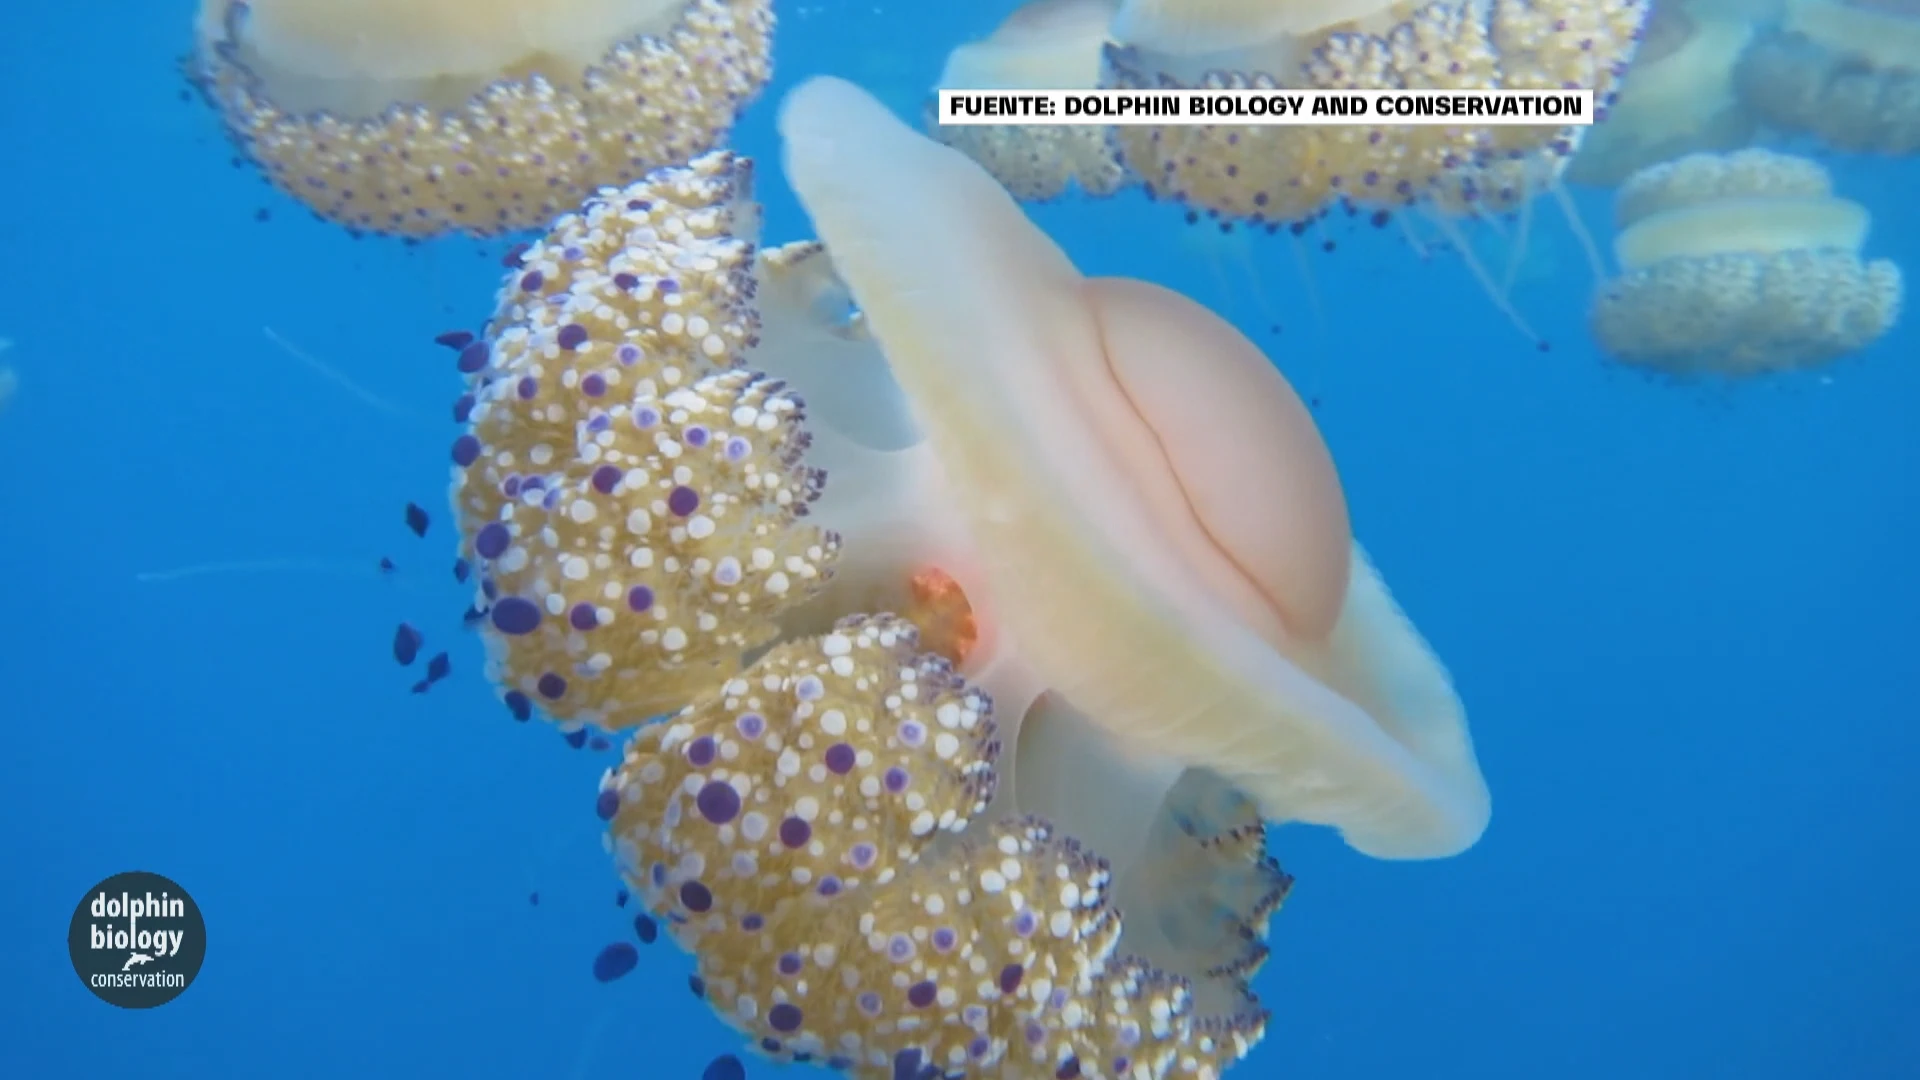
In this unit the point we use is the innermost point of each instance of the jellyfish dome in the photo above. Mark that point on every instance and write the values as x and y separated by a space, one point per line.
1846 72
1294 173
423 117
1741 264
1678 97
1043 45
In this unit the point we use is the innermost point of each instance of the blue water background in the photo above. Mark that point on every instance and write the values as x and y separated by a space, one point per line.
1683 618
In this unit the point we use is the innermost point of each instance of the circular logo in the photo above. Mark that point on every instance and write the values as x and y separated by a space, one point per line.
137 940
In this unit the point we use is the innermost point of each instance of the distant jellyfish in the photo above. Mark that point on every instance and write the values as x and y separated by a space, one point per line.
423 117
1043 45
1294 173
1846 72
1678 97
1741 264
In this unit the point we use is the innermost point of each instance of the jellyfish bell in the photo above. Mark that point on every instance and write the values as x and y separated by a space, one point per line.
1846 72
1678 97
1741 264
1290 173
1105 486
1043 45
424 117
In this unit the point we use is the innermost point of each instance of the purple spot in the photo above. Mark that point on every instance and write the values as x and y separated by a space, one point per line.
593 385
551 686
571 336
614 961
900 948
1010 977
944 939
897 779
695 896
646 416
829 886
840 758
784 1017
527 387
718 802
466 450
492 540
700 752
809 688
1025 923
795 833
608 804
516 615
750 725
737 448
683 500
863 855
639 598
473 357
1068 1070
606 478
752 922
868 1003
626 281
628 355
789 963
583 617
912 733
921 994
532 280
695 436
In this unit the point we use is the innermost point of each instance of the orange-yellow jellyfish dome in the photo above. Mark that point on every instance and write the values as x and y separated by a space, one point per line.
1044 45
424 117
633 499
1276 174
808 830
1844 71
1678 98
1741 264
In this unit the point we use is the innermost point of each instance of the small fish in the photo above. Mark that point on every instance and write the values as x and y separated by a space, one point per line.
644 928
439 667
423 686
620 898
454 339
406 643
417 519
461 570
386 565
725 1067
576 739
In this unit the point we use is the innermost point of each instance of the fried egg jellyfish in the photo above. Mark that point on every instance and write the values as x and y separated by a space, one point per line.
423 117
1741 264
1297 173
1846 72
1043 45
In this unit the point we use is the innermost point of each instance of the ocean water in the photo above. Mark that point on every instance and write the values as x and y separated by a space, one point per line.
1683 619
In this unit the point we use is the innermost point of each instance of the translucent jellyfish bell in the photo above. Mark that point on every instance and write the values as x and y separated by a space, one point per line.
1678 97
424 117
1106 492
1043 45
